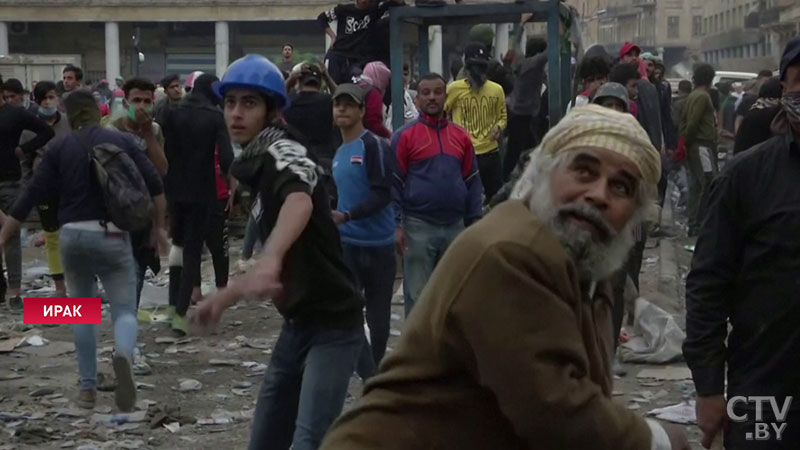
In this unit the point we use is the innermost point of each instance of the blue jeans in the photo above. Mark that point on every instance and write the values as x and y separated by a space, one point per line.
304 387
425 246
251 237
374 269
86 254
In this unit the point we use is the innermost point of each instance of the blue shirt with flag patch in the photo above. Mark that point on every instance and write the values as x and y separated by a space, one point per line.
362 171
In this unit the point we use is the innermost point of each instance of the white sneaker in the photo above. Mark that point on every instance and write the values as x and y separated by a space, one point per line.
246 264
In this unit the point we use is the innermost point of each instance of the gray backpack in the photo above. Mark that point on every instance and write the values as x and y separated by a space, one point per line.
125 194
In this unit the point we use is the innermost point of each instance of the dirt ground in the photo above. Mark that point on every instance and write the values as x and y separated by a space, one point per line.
37 389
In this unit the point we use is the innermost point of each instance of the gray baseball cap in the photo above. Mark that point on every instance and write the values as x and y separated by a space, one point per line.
352 91
612 89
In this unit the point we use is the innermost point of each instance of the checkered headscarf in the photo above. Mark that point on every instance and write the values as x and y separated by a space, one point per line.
598 127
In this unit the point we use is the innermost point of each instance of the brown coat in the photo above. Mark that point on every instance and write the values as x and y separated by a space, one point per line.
502 351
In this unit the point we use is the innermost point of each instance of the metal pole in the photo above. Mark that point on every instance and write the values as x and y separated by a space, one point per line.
396 46
422 43
554 63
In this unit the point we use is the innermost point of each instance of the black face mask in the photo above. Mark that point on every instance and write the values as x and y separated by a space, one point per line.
477 73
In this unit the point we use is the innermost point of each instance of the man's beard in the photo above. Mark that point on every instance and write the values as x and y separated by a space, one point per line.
594 259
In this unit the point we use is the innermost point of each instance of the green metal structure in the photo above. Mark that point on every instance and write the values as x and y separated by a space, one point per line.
550 11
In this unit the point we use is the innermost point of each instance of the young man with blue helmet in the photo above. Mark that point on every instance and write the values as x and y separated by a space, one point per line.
300 268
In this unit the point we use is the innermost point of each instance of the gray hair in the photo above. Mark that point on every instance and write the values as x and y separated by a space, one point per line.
534 189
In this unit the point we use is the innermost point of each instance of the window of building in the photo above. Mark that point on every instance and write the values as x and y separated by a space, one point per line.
673 27
697 25
727 20
705 25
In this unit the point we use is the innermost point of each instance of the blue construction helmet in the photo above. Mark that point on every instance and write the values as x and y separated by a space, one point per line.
257 73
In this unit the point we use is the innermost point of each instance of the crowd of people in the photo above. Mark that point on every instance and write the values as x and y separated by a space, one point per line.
516 237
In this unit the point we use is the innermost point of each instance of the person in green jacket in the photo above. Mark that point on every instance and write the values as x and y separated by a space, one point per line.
699 133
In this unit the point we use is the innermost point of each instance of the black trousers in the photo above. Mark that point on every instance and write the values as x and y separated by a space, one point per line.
188 228
491 172
631 269
341 68
520 138
216 240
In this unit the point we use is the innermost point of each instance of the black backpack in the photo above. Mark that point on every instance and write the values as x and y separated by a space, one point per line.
125 194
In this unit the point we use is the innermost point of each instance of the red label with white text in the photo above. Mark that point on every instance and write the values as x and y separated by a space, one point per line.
61 311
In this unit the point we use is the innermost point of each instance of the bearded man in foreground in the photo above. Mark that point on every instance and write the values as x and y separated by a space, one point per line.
509 345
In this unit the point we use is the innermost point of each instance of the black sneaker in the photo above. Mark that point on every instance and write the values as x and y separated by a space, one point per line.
125 393
15 303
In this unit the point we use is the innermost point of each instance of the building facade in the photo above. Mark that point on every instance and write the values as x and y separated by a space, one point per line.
747 35
668 28
172 36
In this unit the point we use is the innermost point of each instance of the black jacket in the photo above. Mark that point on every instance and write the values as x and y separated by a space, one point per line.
192 131
745 272
650 112
755 128
318 288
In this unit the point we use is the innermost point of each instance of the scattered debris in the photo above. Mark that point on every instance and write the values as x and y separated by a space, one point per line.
218 417
669 373
145 386
130 445
634 406
173 427
188 385
8 376
166 340
36 341
683 413
260 344
144 404
658 337
394 332
224 362
54 348
42 392
242 385
118 419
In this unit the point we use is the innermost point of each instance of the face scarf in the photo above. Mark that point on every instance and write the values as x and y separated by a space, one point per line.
477 73
788 119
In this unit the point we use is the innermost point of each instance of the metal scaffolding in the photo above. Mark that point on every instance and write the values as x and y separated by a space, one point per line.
549 11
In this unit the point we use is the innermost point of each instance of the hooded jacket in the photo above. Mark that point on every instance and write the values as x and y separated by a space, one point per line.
191 132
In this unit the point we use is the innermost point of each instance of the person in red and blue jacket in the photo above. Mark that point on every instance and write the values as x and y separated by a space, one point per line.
437 188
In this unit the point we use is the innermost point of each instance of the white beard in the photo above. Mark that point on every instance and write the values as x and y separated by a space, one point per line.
595 261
